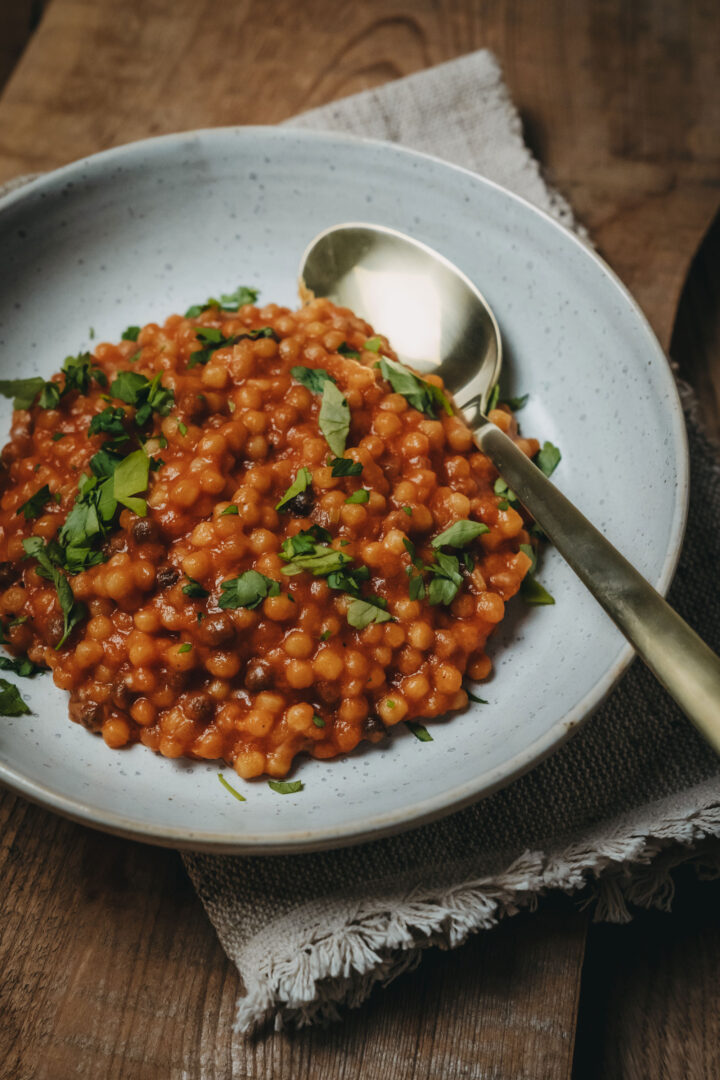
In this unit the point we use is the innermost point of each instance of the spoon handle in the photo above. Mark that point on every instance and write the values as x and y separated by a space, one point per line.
682 662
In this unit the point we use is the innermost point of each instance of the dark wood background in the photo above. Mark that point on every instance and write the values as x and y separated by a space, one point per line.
108 965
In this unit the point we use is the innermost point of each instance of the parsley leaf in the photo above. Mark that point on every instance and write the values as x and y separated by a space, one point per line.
345 350
460 534
474 697
321 561
230 788
20 666
516 403
534 593
286 787
109 421
24 391
363 612
334 418
248 590
129 479
227 302
35 504
302 481
419 731
373 344
11 703
349 581
131 334
47 557
422 395
147 395
78 372
185 647
304 542
229 510
194 589
313 379
342 466
359 496
548 458
318 721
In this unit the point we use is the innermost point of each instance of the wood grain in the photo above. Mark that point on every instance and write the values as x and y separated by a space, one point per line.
111 969
109 966
651 1002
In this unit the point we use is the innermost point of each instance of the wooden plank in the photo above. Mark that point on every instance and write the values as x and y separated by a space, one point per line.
109 966
652 1003
111 969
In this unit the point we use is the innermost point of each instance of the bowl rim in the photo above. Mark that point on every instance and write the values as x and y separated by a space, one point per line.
484 785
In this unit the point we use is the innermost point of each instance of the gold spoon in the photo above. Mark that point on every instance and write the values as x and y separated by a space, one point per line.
439 322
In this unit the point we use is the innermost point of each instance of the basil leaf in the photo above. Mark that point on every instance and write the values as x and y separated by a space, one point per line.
334 418
129 479
548 458
230 788
342 466
24 391
286 787
11 703
131 334
194 589
302 481
534 593
313 379
248 590
359 496
363 612
422 395
419 731
459 534
20 666
35 504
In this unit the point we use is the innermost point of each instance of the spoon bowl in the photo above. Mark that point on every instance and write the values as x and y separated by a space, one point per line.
439 322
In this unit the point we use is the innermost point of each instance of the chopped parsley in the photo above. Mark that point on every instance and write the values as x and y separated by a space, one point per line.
286 787
475 698
20 665
325 635
227 302
109 422
213 339
407 510
248 590
24 391
58 435
419 731
548 458
373 344
302 481
185 647
131 334
148 396
359 496
312 379
194 589
334 418
368 610
230 510
342 466
534 593
230 788
345 350
11 703
460 534
423 396
35 504
318 721
47 557
516 403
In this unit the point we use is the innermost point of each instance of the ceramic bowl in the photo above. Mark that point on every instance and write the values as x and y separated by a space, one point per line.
134 234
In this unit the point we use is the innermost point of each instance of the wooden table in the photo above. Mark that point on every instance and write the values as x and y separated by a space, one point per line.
109 966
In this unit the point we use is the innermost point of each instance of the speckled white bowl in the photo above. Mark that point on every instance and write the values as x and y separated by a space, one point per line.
136 233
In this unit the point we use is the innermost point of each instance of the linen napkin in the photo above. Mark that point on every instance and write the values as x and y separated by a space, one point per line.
311 933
